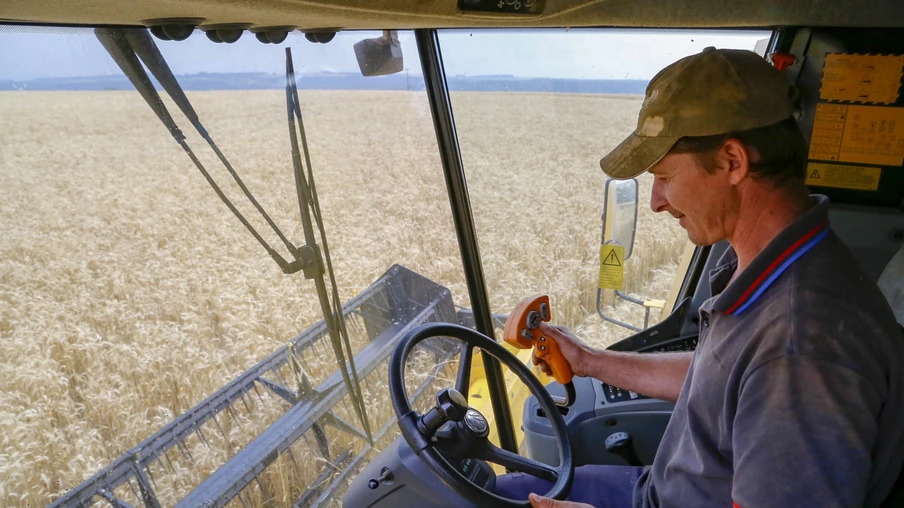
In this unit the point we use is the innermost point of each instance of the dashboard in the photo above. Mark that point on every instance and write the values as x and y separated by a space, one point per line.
478 471
600 412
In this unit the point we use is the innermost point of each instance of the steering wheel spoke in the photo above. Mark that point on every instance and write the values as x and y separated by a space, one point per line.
450 448
514 462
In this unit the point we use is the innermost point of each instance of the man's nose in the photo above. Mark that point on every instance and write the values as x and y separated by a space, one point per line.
658 202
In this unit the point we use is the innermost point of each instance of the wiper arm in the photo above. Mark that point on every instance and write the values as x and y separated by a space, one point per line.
126 46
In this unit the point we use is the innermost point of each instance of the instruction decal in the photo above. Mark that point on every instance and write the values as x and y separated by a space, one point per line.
858 134
612 266
872 79
843 177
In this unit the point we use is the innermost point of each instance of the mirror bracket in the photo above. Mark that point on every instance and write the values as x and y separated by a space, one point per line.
619 228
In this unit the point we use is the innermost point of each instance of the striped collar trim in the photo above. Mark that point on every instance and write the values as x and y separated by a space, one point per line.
801 236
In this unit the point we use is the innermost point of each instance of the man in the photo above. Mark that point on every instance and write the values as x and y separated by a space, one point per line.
794 396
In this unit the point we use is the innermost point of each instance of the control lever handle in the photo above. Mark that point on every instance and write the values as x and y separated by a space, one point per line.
620 444
522 330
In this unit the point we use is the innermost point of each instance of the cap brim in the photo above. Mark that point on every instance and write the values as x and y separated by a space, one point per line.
635 155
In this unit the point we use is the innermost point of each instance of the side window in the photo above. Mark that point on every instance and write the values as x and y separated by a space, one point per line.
534 111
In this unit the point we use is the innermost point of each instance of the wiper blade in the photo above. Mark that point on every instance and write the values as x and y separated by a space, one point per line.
129 47
309 205
126 46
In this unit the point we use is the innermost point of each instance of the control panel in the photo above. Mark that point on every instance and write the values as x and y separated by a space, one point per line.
613 394
398 477
503 7
629 423
478 471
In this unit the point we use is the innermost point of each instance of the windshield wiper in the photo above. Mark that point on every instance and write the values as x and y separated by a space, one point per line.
126 46
129 47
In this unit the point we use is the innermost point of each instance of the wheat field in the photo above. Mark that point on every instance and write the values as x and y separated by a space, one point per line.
128 292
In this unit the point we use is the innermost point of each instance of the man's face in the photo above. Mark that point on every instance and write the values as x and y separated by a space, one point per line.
701 201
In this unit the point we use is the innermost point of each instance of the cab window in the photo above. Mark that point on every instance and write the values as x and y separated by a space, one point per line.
534 111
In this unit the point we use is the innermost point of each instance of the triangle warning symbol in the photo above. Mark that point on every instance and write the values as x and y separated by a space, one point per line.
815 174
612 259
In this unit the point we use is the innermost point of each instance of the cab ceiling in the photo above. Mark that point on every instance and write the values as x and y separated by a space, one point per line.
385 14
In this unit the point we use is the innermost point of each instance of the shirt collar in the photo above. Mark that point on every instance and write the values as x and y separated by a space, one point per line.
793 242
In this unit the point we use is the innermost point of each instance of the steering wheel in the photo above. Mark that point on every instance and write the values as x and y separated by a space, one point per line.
466 437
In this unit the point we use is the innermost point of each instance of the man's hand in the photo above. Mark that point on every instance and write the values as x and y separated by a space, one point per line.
576 353
537 501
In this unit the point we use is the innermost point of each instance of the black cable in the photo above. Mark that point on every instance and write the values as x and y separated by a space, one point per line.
570 395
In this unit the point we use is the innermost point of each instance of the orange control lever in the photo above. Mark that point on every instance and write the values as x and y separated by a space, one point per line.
522 330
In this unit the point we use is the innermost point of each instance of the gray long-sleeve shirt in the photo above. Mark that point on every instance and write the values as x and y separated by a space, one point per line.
795 396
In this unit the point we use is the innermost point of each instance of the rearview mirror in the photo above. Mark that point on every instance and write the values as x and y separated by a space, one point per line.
761 47
380 56
620 214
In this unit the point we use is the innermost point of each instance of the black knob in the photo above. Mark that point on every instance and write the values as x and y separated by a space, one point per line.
386 476
452 404
229 35
178 31
533 320
161 34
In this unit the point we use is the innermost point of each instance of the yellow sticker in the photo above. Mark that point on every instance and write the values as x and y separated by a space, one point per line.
612 266
858 134
861 78
843 177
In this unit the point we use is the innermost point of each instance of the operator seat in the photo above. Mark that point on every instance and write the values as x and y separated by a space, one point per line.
891 283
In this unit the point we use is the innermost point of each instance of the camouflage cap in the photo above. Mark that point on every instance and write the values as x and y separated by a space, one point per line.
713 92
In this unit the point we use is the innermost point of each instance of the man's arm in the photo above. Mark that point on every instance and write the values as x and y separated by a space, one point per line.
658 375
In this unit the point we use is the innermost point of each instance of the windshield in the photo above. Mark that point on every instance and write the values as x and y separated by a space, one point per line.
149 338
130 293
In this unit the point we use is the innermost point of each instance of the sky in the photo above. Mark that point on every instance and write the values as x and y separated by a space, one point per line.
590 54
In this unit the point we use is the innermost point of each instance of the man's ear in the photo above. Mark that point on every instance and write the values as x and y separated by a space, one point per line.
736 159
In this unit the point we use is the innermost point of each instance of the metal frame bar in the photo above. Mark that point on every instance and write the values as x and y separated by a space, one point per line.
457 187
599 310
694 272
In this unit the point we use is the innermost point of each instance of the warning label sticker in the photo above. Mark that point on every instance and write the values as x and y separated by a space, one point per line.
861 78
828 128
612 269
843 177
858 134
